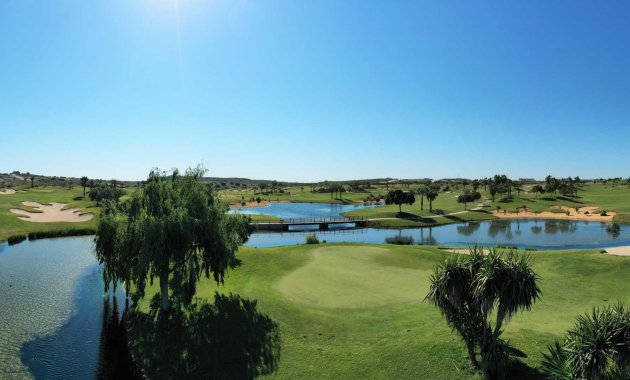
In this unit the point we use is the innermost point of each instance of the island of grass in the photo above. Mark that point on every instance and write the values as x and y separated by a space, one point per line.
355 311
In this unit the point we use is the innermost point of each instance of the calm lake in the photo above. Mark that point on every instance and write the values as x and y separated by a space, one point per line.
301 210
540 234
53 310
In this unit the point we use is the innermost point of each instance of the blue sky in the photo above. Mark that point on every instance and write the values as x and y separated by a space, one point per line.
297 90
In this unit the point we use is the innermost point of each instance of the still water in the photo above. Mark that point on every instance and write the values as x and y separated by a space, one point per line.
539 234
52 308
301 210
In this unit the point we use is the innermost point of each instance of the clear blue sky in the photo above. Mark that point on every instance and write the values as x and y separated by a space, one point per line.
314 90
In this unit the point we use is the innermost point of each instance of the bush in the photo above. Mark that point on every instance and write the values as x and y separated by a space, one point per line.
399 240
60 233
17 239
311 239
604 213
258 199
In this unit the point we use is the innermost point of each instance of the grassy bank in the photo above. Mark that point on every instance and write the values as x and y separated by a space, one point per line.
357 311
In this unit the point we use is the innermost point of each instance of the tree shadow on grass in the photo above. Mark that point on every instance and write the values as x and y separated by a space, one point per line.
572 200
521 371
454 218
415 218
229 339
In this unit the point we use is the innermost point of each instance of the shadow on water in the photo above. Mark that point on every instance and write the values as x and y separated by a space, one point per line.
72 352
229 339
468 229
115 360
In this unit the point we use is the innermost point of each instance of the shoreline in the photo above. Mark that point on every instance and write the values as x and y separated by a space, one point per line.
254 204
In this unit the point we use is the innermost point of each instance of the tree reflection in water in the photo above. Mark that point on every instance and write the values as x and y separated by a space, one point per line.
114 358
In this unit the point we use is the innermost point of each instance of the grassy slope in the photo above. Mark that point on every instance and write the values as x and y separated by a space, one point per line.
606 197
10 225
294 194
356 311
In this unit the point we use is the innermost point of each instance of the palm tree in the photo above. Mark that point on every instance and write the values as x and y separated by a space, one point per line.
84 183
468 289
597 347
422 191
432 192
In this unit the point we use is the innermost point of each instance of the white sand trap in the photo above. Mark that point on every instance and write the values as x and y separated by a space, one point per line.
618 251
51 213
7 191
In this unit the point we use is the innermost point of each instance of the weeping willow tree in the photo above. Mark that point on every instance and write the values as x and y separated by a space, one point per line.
174 229
473 290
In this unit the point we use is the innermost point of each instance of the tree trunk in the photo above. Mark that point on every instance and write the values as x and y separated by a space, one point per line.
472 358
430 205
165 303
400 208
421 202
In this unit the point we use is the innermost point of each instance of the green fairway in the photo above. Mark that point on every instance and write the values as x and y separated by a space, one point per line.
329 282
605 196
357 311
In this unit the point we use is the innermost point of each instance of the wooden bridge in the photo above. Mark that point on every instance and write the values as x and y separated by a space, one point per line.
322 223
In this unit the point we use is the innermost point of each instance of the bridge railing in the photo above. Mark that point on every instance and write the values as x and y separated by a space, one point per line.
313 220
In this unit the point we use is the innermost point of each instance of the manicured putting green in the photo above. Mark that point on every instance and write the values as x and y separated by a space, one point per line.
351 278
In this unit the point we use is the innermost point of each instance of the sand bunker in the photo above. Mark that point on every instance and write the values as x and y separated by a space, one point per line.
583 213
7 191
51 213
618 251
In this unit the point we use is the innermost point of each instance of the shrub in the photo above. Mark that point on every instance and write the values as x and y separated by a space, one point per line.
60 233
604 213
258 199
311 239
399 240
17 239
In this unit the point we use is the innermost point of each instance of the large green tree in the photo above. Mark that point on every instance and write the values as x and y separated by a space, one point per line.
399 197
174 229
478 294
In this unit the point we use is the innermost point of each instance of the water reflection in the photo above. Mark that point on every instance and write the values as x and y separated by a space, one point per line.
501 227
115 360
469 228
540 234
73 351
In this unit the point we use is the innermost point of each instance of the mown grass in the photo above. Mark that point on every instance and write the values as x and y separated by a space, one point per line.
355 311
263 218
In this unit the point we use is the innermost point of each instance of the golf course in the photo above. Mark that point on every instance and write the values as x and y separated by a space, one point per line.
358 311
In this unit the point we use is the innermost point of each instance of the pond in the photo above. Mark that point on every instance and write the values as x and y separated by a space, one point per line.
301 210
53 311
539 234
